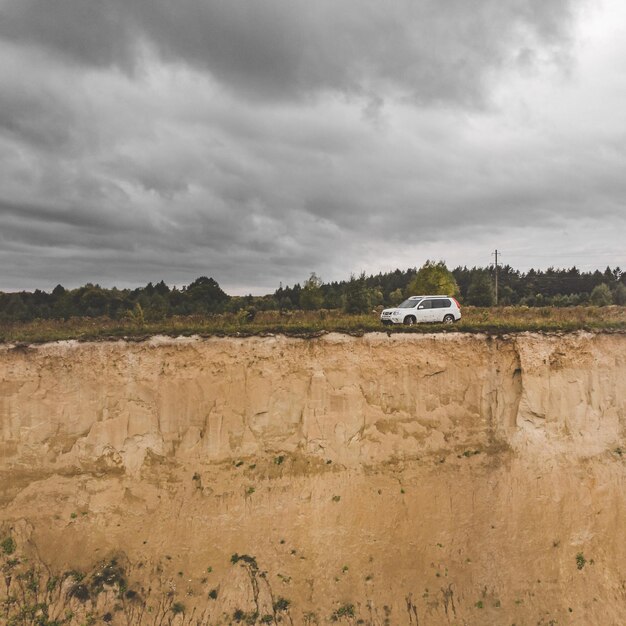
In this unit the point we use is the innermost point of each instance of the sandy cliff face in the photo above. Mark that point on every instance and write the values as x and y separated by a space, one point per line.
403 479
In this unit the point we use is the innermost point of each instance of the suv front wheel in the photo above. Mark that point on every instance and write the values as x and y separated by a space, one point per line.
409 320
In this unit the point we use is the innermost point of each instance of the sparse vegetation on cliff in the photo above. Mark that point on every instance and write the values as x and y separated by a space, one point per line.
314 323
344 611
33 596
8 545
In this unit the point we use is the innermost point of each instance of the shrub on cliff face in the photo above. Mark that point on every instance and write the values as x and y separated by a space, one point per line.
245 558
178 607
8 545
248 618
110 574
80 592
346 610
282 604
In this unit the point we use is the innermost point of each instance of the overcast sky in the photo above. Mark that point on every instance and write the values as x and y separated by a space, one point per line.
257 141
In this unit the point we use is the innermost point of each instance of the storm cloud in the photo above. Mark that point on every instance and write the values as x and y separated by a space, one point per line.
259 141
427 50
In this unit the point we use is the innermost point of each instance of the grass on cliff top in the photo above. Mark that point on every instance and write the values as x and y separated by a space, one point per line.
313 323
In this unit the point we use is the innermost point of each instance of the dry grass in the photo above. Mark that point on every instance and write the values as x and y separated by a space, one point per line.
311 323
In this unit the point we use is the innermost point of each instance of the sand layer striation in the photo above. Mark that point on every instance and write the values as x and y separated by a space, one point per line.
380 480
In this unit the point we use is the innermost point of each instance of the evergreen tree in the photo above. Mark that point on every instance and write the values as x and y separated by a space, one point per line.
357 295
205 295
480 291
333 298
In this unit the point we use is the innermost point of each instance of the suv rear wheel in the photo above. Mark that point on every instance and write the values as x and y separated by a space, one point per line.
448 319
409 320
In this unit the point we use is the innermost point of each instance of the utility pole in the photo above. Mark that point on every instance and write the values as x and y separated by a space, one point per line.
496 255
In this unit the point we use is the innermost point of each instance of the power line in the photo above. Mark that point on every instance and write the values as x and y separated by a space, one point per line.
572 253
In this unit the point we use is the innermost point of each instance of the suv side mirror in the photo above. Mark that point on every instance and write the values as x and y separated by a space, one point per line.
421 306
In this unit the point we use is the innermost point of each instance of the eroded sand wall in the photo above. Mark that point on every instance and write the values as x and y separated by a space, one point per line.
428 479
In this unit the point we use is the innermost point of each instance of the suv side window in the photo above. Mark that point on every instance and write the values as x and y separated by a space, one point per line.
426 304
444 303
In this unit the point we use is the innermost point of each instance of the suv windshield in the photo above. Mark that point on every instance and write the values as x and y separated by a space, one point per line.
409 304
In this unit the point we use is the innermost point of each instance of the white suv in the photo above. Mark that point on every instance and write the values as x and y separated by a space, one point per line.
442 309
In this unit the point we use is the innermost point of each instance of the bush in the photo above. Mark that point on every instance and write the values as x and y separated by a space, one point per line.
619 295
8 545
79 591
346 610
282 604
178 607
601 295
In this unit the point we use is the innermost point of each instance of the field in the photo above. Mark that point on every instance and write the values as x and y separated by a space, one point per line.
495 320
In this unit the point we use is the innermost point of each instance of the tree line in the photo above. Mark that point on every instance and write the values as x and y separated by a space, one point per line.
359 294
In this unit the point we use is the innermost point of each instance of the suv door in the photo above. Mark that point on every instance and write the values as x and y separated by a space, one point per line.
424 311
441 308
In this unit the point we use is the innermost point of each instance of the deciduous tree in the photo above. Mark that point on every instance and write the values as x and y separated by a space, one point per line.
433 279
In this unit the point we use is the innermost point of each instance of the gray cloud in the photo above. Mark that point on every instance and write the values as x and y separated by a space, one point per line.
423 50
260 141
93 33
